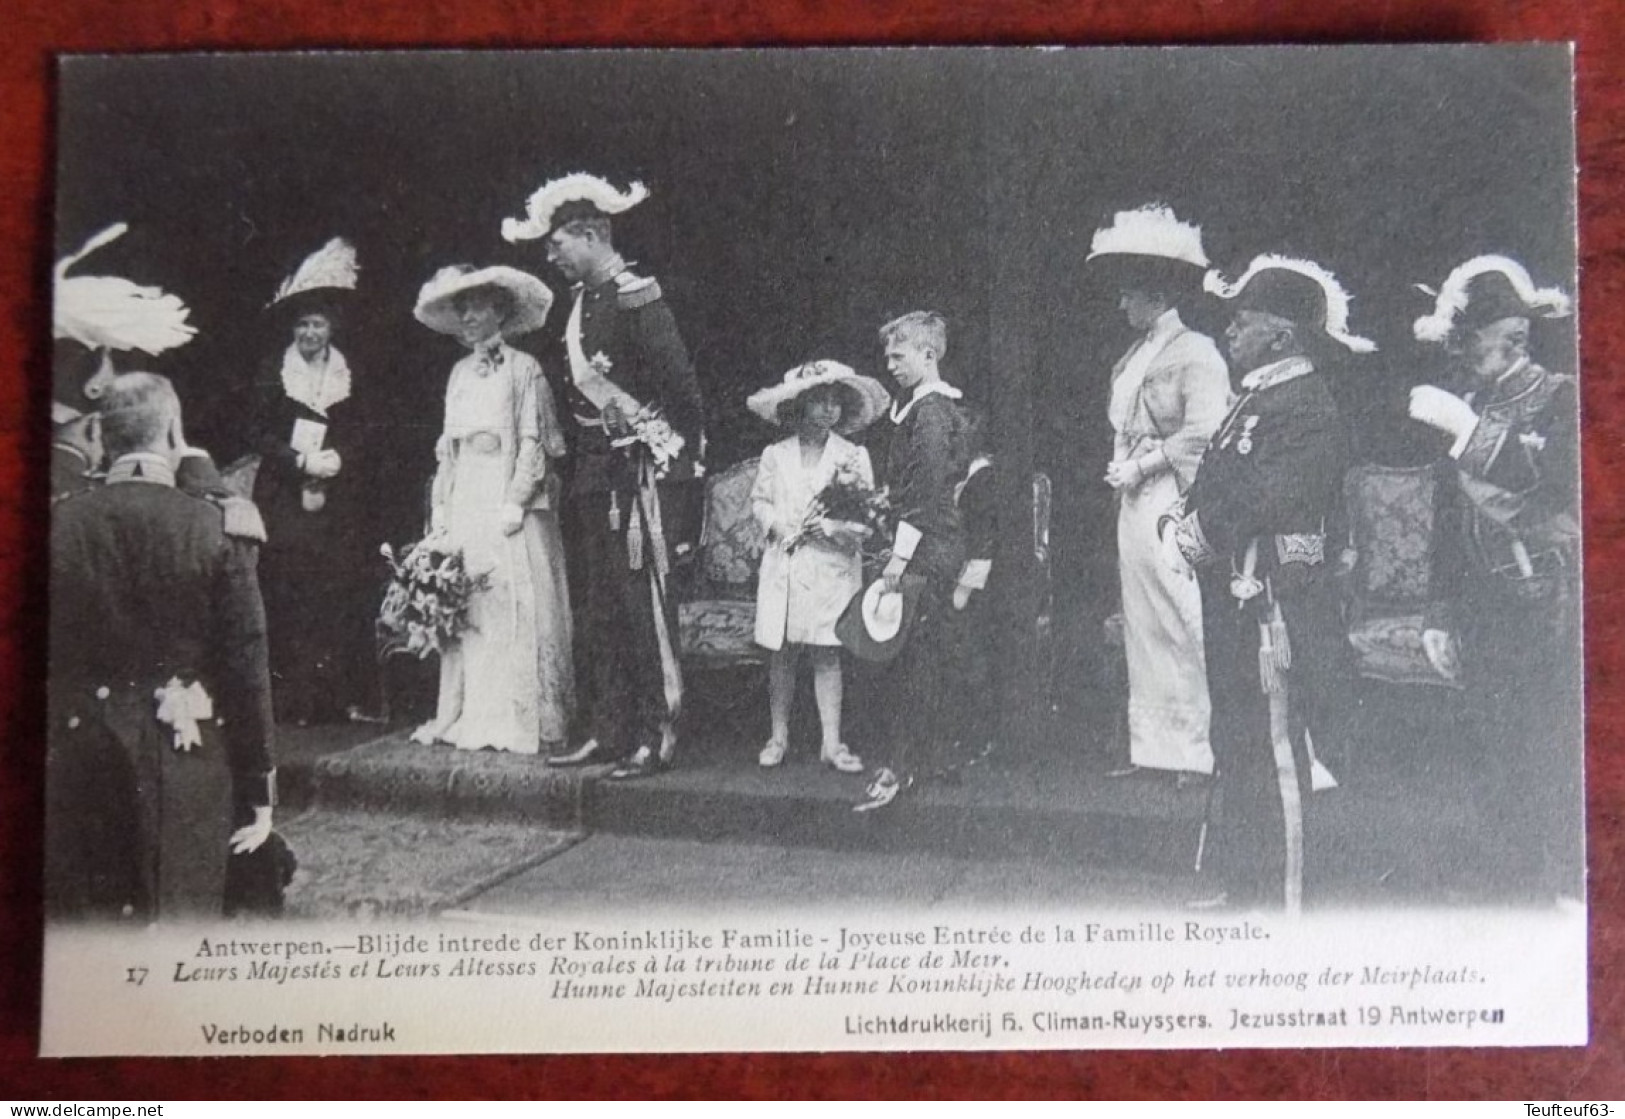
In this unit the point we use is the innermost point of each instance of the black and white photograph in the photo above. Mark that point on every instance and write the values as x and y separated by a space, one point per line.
815 549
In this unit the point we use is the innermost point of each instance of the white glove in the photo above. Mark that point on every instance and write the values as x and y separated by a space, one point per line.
1443 410
437 519
323 464
513 519
1123 474
249 838
962 595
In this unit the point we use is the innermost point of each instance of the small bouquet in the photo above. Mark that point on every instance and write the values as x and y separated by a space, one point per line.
426 605
651 430
846 499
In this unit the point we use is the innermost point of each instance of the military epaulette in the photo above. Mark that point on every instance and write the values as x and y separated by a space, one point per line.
633 291
241 517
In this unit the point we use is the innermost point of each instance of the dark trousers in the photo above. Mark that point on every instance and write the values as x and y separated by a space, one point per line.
925 687
1247 849
1524 695
622 678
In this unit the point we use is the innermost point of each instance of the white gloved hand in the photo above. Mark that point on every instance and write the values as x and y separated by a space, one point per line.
1443 410
962 595
250 838
512 519
1442 652
437 519
893 575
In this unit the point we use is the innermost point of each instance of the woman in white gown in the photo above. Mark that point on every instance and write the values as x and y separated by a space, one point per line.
507 682
1168 394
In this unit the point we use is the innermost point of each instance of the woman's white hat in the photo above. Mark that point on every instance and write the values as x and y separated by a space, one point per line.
1151 231
436 308
110 312
867 398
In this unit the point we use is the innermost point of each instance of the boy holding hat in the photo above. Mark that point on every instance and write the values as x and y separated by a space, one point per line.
1509 559
1254 528
928 458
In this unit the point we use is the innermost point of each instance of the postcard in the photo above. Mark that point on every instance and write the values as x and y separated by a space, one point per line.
815 550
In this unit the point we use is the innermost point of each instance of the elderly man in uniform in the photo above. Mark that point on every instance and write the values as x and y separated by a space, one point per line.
160 720
634 434
1509 565
1254 527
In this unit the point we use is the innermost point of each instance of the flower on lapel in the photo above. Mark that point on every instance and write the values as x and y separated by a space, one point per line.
600 363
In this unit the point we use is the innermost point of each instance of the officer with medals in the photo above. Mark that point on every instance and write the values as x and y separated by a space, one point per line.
160 730
634 436
1254 527
1507 565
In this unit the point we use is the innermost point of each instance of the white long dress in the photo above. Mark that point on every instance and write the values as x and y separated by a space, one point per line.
507 683
801 594
1169 393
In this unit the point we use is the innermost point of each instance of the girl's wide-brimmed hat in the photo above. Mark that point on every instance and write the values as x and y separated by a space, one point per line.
322 284
865 398
1299 291
1150 246
568 198
1483 290
436 308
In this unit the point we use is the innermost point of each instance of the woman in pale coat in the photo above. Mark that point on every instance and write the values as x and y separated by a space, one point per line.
1169 393
810 571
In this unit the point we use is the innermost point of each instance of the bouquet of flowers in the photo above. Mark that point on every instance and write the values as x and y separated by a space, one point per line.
846 499
426 605
652 431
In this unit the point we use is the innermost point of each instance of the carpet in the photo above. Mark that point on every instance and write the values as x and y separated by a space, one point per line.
363 864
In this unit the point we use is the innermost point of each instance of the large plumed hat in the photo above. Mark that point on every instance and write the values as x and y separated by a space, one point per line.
1483 290
321 280
575 195
1153 232
1299 291
436 306
866 398
112 313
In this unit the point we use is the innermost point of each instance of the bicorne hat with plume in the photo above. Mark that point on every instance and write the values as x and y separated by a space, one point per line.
1299 291
1483 290
574 196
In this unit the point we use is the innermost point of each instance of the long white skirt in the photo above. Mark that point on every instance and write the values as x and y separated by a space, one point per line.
1168 707
508 682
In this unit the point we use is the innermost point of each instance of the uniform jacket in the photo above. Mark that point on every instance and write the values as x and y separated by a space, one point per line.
627 324
1273 472
148 587
1516 480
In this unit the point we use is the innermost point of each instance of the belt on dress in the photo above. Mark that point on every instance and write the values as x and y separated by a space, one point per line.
481 442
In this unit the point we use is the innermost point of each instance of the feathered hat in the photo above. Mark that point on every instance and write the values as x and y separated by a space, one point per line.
574 196
1150 245
866 398
102 313
320 282
1486 289
437 301
1300 291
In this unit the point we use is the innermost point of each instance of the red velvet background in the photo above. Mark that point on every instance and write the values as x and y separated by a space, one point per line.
32 30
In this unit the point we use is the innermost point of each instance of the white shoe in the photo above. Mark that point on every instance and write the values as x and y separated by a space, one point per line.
773 753
843 760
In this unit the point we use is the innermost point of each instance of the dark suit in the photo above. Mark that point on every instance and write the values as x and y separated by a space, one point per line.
629 686
148 587
924 465
1272 474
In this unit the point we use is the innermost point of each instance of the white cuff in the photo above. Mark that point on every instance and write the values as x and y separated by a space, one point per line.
974 574
908 538
1462 440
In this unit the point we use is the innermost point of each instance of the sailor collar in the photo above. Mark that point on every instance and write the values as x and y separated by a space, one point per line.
142 466
929 388
1277 373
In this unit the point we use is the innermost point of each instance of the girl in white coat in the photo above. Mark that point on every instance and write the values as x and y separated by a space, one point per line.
809 571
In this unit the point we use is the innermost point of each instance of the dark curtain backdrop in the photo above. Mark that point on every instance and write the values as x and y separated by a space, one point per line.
801 199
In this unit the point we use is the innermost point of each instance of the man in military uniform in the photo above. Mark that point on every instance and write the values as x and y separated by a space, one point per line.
1507 568
1254 527
623 364
160 719
78 378
929 454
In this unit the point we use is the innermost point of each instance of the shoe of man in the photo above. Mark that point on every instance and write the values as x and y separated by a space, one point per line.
647 762
882 791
